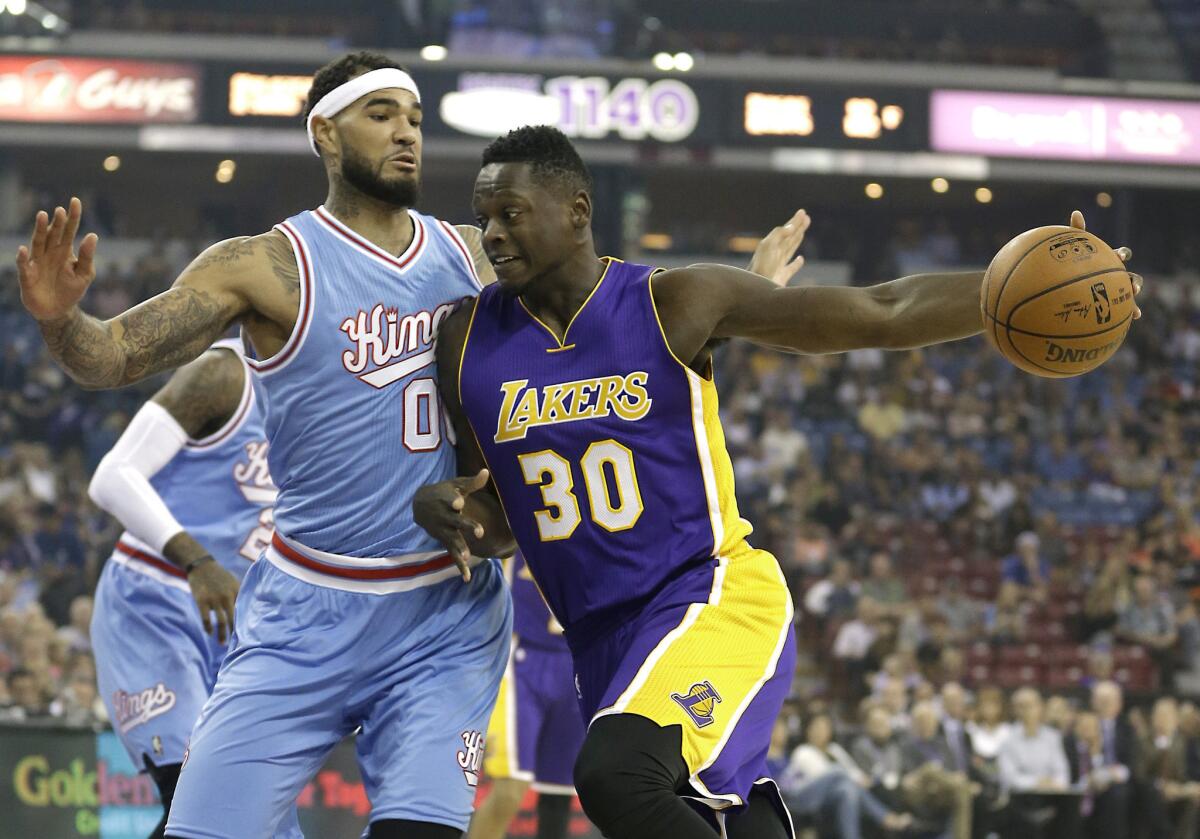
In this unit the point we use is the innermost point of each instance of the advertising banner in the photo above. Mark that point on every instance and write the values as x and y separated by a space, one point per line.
64 783
1089 128
37 88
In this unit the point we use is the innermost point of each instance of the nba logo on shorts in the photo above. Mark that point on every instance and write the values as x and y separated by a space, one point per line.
699 702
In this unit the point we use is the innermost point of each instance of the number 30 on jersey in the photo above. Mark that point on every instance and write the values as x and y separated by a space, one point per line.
613 506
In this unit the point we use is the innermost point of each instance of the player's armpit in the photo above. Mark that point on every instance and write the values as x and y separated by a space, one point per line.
474 239
203 395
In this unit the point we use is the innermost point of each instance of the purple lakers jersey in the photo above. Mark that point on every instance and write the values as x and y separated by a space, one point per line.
533 624
607 450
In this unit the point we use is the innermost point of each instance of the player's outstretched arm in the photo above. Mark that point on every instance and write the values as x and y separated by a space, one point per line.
463 513
703 302
159 334
197 400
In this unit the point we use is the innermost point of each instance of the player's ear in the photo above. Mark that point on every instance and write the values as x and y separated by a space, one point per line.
324 132
581 210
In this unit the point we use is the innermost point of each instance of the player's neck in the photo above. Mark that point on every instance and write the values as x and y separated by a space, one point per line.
386 225
557 295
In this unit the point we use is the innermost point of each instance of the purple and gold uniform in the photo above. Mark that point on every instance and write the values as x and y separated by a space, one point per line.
610 462
535 732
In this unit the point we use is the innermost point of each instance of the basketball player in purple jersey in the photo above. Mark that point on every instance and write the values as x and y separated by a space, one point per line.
354 618
582 390
535 731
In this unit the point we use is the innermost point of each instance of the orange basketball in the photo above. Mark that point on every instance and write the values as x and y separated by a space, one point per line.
1057 301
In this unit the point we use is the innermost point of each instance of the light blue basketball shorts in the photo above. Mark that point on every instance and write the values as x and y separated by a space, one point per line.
155 664
417 670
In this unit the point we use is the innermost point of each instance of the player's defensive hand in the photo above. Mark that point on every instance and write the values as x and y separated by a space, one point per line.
215 591
53 277
440 509
1126 254
773 256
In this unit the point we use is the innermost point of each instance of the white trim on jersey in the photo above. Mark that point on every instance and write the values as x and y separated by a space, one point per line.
460 243
316 578
304 312
150 571
401 264
238 418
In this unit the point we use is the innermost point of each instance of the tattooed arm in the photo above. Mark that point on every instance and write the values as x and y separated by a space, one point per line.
474 239
221 286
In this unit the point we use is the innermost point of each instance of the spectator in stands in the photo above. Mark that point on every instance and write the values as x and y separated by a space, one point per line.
893 696
823 782
1004 620
1057 463
883 585
782 443
936 791
77 633
1027 568
1060 714
834 597
990 729
26 698
960 612
1171 787
78 703
1102 780
1148 620
1119 743
1033 768
852 644
1108 595
877 752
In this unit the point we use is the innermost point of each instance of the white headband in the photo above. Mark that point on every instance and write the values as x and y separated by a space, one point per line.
337 100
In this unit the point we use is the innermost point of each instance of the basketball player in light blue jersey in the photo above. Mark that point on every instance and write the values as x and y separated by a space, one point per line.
188 480
354 617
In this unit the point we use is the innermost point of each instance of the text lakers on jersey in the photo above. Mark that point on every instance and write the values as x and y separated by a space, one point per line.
525 407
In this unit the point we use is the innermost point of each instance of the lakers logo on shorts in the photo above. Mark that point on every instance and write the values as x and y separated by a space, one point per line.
699 703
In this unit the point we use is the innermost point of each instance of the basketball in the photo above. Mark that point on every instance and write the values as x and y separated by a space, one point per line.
1057 301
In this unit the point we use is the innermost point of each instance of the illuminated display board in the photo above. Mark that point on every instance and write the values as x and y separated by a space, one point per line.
1066 127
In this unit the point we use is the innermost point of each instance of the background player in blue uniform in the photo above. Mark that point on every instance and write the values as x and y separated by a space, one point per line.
355 618
587 386
188 479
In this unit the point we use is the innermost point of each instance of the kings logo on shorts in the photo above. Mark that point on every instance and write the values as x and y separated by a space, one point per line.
471 760
134 709
700 702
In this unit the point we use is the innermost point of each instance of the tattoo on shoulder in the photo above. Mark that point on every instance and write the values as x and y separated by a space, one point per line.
203 395
168 330
283 261
225 253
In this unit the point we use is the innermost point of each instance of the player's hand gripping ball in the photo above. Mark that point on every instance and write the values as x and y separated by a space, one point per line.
1057 301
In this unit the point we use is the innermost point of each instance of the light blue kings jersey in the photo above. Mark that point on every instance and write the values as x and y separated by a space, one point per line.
219 489
353 412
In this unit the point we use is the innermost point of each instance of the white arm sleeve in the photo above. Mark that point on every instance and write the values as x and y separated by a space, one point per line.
121 485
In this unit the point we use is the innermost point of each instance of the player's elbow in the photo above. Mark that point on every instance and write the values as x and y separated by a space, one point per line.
103 480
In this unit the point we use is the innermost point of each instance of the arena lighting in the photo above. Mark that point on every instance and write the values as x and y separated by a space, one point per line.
874 190
743 244
656 241
112 163
1103 199
664 61
16 7
684 61
983 195
225 171
776 114
940 185
434 52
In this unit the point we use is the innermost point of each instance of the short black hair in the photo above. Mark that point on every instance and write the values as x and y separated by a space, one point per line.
337 73
549 153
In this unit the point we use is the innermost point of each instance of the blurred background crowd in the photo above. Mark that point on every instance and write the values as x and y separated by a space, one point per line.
968 547
995 576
